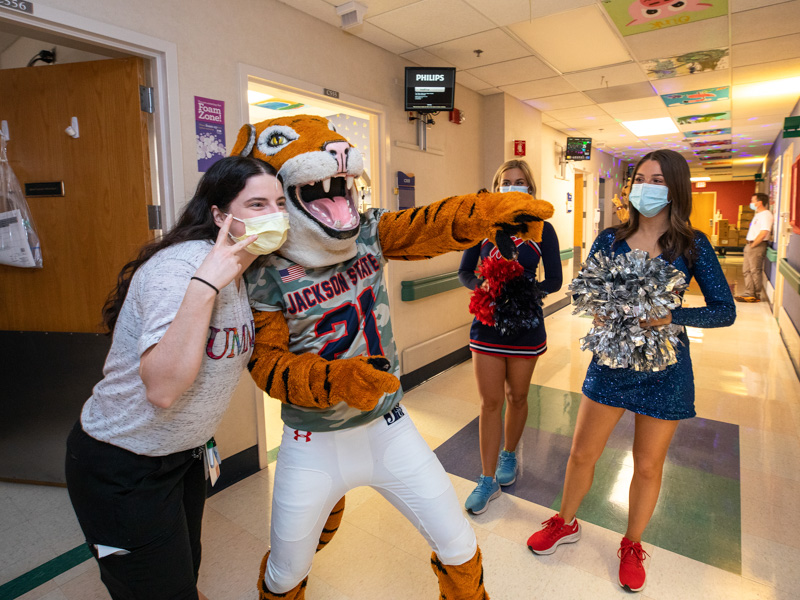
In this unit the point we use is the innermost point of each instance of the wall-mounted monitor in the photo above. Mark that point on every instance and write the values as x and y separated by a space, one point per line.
579 148
430 89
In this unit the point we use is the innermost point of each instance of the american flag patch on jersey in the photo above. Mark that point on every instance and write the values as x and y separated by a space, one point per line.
293 273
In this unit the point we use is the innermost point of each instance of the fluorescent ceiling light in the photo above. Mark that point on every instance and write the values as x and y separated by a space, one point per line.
776 87
700 179
647 127
753 160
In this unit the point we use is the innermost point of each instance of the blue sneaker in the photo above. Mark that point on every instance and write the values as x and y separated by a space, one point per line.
506 472
488 489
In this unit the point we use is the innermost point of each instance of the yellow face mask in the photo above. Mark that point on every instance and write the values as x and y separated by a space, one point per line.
271 230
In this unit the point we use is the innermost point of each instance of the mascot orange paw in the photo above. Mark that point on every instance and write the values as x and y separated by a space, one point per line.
513 214
361 381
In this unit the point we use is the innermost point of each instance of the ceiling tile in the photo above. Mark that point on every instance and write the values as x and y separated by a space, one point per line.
607 76
642 115
562 101
628 106
780 69
470 81
605 123
546 36
550 86
766 22
592 110
384 39
425 59
514 71
496 44
740 5
681 110
698 81
633 91
502 12
374 7
779 48
319 9
672 41
421 23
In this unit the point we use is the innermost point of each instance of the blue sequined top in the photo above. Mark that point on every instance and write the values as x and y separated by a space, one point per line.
667 394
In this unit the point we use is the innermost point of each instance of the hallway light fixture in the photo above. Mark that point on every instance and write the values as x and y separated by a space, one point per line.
646 127
776 87
693 179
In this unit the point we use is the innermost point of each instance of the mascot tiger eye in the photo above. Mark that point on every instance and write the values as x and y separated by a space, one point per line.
324 348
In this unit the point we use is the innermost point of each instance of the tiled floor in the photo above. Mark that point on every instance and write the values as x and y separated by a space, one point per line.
727 526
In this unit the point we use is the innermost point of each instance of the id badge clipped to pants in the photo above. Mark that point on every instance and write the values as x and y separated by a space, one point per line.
212 461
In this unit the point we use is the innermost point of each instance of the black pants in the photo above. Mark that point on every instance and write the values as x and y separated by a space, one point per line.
151 506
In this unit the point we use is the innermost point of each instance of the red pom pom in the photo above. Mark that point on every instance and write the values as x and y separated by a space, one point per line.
495 271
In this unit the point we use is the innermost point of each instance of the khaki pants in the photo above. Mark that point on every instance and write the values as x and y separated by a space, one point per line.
752 268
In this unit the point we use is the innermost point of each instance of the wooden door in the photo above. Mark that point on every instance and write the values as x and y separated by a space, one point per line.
703 207
578 209
97 226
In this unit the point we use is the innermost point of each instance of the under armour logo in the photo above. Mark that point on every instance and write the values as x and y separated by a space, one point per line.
394 414
306 435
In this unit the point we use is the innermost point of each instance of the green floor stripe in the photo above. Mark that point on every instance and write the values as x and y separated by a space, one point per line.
44 573
272 455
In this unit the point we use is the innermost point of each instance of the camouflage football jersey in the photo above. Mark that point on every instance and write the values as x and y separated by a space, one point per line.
339 311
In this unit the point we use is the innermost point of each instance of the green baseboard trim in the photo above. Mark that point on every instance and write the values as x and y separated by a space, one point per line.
791 275
772 255
567 254
428 286
44 573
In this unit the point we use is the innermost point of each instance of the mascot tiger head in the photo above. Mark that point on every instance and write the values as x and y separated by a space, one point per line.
317 167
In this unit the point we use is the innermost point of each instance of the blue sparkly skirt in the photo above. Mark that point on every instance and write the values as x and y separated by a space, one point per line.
667 394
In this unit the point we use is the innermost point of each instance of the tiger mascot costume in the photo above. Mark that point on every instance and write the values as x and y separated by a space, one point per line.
324 348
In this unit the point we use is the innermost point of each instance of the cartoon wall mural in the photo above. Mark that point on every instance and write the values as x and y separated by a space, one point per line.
687 64
639 16
693 119
697 96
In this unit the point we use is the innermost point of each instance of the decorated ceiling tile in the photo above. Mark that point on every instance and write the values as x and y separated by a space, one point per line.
706 118
687 64
640 16
720 131
697 96
711 143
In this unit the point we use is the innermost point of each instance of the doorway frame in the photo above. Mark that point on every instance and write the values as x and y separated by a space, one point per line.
379 138
714 221
161 59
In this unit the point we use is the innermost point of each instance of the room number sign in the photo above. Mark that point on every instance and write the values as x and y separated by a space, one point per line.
20 5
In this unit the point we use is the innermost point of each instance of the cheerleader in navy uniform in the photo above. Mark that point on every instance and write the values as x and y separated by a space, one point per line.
660 205
504 363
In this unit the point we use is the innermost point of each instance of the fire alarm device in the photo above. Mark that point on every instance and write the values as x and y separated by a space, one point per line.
456 116
519 147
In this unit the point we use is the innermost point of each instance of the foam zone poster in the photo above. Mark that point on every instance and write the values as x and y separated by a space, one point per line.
209 118
640 16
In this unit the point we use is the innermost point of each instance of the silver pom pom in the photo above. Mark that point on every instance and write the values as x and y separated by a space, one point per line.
621 291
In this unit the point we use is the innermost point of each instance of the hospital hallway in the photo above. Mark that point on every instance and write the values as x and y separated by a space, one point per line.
727 524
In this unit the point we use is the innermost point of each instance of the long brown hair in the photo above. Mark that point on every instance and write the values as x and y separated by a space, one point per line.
218 187
679 238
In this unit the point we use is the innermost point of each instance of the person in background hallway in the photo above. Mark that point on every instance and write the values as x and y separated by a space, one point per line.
134 465
660 205
504 364
756 249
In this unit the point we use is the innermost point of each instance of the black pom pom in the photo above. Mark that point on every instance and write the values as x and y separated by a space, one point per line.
519 306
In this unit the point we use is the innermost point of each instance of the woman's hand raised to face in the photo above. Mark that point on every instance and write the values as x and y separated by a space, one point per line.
227 259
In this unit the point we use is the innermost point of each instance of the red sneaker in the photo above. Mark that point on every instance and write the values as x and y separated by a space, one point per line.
631 567
555 532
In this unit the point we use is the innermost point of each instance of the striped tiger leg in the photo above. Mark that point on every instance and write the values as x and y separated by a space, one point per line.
460 582
296 593
331 525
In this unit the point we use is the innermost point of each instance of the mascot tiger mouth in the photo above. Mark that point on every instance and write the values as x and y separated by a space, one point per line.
330 202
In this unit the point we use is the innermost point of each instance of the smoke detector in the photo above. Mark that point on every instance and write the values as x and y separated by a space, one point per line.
351 13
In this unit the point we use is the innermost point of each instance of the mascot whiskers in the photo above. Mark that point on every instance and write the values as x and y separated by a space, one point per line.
324 348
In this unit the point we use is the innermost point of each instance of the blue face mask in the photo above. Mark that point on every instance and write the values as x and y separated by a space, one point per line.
752 206
649 199
514 188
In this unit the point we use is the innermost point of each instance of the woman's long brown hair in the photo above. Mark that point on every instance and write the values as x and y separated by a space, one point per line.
679 238
218 187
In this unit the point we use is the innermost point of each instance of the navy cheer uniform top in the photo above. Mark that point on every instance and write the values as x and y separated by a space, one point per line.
530 342
667 394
